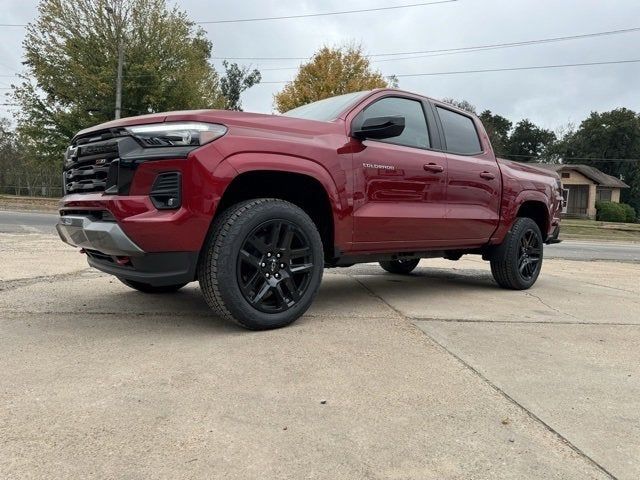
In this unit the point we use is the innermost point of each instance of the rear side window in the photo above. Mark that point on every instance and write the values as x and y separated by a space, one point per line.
415 133
459 132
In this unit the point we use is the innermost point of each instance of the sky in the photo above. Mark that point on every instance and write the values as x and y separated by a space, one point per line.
552 98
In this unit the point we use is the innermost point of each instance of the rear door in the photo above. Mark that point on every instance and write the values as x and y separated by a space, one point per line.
399 183
473 181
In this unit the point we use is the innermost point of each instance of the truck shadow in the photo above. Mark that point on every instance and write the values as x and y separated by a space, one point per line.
344 293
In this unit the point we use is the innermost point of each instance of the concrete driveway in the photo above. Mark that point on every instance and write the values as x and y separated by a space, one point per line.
436 375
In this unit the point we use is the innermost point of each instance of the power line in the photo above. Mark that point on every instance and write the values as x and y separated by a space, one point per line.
512 69
599 160
305 15
449 51
458 72
326 14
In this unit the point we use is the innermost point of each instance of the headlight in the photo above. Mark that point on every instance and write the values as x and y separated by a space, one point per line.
178 134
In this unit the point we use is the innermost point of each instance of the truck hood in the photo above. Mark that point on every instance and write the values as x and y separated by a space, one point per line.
225 117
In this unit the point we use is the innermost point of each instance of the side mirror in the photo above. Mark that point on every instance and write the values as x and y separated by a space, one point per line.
379 128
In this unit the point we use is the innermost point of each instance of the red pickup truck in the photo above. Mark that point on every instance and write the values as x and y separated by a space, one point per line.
255 206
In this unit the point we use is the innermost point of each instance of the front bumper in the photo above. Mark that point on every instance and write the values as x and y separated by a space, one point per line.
110 250
105 237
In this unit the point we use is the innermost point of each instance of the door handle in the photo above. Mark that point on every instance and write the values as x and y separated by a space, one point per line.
433 167
487 175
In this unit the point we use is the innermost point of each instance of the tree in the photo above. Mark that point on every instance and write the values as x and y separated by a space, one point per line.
8 152
498 128
331 71
529 142
237 80
605 140
71 56
461 104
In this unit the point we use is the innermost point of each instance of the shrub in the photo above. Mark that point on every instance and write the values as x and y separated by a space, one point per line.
615 212
629 213
610 212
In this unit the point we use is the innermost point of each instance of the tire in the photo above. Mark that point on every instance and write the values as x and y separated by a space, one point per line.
262 264
146 288
401 267
517 262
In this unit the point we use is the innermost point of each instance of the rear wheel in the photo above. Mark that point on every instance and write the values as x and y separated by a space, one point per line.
262 264
147 288
517 262
401 267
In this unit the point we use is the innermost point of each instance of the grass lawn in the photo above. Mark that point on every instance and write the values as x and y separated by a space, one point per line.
36 204
593 230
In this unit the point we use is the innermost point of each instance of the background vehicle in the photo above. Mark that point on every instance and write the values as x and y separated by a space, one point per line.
255 206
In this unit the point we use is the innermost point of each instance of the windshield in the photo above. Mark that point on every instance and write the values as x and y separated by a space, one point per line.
327 109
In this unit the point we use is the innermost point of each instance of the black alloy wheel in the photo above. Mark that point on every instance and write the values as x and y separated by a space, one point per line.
262 264
529 254
516 263
275 265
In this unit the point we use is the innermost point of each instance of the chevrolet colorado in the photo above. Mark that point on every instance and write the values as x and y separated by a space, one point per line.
255 206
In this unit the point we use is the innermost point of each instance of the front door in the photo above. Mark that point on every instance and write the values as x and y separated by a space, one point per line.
399 183
578 201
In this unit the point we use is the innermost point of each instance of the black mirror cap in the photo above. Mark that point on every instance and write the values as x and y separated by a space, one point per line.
380 128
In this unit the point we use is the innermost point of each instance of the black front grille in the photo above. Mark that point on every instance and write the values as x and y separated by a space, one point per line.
87 165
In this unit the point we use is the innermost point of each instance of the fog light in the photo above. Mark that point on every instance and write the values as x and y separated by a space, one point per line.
165 193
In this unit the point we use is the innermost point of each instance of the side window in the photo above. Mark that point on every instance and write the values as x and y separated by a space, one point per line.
459 132
415 133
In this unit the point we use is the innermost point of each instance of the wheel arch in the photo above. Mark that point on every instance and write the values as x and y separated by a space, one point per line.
536 209
528 203
302 182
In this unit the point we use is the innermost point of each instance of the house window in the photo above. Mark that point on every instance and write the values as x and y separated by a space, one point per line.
603 195
566 175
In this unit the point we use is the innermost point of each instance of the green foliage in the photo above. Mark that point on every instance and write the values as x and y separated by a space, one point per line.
529 142
498 128
8 151
610 135
20 173
331 71
629 213
236 80
461 104
71 56
613 212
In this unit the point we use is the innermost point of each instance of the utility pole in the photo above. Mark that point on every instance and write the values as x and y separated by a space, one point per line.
118 26
119 78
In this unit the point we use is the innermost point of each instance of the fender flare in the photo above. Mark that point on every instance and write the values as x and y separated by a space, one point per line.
253 161
509 212
335 186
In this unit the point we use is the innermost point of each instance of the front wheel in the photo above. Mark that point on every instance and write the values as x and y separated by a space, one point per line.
401 267
517 262
262 264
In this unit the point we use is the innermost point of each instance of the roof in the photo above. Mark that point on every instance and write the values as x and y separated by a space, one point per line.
591 173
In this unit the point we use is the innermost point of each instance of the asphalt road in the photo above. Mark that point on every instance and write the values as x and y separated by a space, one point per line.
28 222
